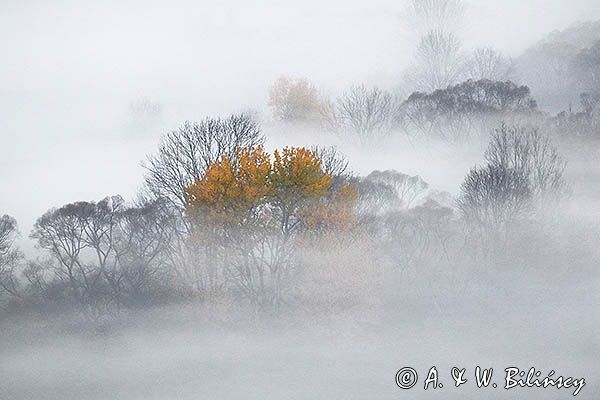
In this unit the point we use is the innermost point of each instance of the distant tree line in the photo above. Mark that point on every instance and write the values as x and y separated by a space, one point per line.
224 221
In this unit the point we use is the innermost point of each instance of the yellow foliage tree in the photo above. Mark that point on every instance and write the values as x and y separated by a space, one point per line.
297 174
232 188
293 185
253 208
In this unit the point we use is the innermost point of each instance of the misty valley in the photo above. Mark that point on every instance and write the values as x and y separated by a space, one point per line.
300 201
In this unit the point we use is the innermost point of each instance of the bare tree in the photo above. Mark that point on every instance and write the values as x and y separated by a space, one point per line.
487 63
407 188
494 196
531 155
428 15
104 253
438 59
332 161
439 62
375 198
145 234
62 232
184 154
9 255
362 111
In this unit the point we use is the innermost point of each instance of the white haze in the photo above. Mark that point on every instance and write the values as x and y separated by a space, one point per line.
71 72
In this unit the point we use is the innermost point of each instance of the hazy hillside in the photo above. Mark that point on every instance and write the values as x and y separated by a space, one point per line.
548 66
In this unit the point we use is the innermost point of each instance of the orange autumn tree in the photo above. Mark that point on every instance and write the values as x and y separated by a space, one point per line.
221 206
231 189
298 180
256 205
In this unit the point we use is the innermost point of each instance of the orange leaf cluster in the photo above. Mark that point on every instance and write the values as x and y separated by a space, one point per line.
297 174
232 187
294 183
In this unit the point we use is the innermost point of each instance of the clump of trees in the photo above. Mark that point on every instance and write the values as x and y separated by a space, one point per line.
361 112
104 255
406 189
184 154
417 244
456 93
523 172
229 197
582 124
253 208
383 192
238 235
439 59
494 195
223 220
244 229
461 109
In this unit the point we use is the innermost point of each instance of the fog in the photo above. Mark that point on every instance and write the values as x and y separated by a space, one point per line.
166 360
408 257
72 70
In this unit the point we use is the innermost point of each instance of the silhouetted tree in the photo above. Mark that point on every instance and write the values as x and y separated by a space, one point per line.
105 254
454 111
531 155
332 161
487 63
494 196
375 198
185 154
360 111
406 188
439 62
9 255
